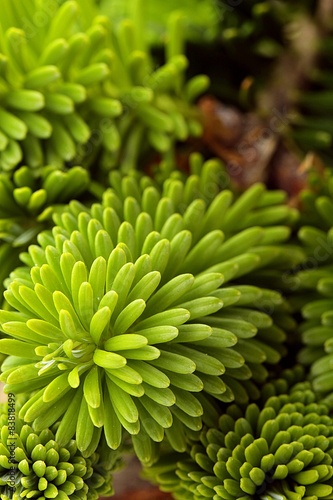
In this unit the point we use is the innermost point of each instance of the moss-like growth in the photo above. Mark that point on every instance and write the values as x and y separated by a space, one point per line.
282 449
34 465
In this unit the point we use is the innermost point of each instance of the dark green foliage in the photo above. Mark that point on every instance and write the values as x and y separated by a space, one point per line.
312 125
282 449
33 465
314 293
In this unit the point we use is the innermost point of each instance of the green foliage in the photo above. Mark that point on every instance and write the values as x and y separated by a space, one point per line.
311 121
229 37
314 293
155 316
200 17
282 449
69 91
27 201
34 465
120 321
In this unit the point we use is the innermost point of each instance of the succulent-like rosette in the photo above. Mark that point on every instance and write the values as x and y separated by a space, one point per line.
27 201
124 317
280 450
73 85
314 293
34 465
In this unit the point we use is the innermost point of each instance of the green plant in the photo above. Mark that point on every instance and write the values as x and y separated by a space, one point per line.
200 18
149 305
231 37
27 201
313 294
280 449
33 465
119 318
310 120
74 86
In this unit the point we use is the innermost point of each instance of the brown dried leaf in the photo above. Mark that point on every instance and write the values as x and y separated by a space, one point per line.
288 173
243 141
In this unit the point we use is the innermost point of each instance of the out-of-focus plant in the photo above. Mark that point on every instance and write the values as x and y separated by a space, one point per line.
72 89
313 293
27 201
